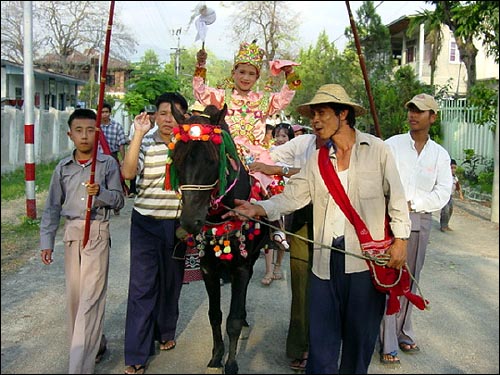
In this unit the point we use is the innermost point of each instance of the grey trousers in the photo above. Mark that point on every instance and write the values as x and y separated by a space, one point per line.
397 328
86 272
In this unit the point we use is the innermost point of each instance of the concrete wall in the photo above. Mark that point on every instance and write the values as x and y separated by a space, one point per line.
51 140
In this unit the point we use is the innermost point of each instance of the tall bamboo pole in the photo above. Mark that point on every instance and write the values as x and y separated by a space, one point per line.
102 86
363 69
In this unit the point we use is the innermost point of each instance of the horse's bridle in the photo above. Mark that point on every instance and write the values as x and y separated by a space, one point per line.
198 187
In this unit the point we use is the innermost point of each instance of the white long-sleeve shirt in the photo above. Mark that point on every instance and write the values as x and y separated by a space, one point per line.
426 178
296 151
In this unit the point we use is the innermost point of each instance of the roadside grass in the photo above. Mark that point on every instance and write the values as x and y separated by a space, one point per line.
13 183
21 241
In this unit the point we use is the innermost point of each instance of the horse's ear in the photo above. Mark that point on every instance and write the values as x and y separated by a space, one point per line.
222 118
179 117
222 114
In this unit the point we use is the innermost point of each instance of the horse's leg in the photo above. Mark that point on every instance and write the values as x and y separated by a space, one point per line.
212 286
237 315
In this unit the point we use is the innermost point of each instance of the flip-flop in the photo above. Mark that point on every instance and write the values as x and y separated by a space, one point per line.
299 364
135 369
393 361
409 348
167 345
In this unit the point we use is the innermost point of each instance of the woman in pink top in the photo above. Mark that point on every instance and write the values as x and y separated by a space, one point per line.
247 109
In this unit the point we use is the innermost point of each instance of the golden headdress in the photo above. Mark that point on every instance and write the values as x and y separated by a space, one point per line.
250 53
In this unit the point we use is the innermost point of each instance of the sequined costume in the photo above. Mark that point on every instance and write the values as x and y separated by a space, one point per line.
247 114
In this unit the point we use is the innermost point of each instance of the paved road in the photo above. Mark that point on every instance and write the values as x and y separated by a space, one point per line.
459 334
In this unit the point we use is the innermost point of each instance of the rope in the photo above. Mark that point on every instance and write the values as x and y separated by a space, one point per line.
381 259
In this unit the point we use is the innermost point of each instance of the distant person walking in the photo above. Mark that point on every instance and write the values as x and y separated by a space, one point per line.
447 210
115 137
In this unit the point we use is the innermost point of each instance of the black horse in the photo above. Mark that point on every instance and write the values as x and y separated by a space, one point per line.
206 169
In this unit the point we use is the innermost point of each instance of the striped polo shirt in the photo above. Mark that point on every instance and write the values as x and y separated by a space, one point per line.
152 198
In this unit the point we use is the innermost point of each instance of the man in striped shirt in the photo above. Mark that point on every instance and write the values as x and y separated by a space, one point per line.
155 277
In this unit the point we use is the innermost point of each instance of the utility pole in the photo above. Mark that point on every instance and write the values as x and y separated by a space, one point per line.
29 113
178 50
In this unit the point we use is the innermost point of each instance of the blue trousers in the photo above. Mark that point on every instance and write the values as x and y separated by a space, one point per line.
344 317
154 287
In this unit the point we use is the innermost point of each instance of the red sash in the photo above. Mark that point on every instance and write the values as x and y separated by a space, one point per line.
386 280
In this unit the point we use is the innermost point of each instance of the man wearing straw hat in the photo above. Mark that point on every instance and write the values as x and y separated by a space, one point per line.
345 309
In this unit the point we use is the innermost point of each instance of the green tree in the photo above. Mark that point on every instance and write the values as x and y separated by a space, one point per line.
90 95
148 79
434 35
316 68
469 20
391 94
375 41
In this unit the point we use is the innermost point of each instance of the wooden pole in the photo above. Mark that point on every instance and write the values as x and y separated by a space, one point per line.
102 86
363 69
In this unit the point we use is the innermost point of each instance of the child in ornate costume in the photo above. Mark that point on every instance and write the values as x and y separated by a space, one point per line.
247 109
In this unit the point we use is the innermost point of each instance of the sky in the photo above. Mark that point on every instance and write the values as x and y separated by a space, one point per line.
156 24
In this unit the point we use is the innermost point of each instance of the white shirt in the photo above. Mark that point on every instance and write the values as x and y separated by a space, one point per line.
426 178
295 152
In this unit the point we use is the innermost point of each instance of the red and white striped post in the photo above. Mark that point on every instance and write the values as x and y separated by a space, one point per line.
29 124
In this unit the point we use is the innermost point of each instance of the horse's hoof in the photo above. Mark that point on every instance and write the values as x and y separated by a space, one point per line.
245 333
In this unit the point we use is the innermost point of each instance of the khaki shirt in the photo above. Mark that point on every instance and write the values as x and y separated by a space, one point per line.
373 179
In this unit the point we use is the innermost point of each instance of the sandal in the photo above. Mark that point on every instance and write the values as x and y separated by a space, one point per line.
167 344
280 238
390 358
277 274
299 364
135 369
267 280
409 348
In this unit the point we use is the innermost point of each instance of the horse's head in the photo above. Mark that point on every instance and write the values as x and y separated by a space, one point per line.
204 164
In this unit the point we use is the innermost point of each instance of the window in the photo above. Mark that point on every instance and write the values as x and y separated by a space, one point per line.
454 53
410 54
110 79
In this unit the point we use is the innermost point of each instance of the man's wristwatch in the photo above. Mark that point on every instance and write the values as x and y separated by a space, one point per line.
285 170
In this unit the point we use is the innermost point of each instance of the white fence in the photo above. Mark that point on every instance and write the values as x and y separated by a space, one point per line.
51 139
460 131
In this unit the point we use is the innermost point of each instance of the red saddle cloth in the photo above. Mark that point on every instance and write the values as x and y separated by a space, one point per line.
387 280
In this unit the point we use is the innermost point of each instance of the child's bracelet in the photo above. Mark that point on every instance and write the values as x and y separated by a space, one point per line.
200 72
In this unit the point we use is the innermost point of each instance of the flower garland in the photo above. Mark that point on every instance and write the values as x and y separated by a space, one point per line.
204 133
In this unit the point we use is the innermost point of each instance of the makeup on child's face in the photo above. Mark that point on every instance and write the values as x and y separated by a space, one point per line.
245 76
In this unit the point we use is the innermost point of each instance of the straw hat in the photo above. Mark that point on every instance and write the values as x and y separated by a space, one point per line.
197 106
330 93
